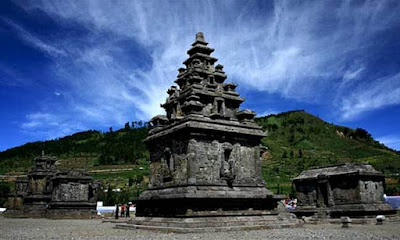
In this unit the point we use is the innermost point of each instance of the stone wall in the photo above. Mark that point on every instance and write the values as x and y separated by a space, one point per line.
204 162
345 190
371 191
38 186
71 191
306 195
341 190
21 187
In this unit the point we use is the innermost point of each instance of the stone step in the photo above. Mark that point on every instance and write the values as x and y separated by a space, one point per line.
205 229
185 224
204 221
112 220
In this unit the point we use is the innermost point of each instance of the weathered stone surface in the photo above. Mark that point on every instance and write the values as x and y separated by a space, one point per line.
208 224
353 190
205 153
46 192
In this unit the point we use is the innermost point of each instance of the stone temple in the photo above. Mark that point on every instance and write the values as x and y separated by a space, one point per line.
354 190
205 155
49 193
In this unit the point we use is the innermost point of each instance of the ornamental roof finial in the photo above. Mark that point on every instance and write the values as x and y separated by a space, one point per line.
200 37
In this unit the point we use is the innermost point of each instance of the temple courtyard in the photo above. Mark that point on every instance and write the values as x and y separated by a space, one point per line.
26 228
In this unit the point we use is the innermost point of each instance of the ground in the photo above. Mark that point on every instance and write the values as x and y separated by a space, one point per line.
94 229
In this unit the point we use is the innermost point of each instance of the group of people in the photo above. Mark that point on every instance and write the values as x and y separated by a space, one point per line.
290 203
125 210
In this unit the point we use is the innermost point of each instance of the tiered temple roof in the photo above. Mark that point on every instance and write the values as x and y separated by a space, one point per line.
202 89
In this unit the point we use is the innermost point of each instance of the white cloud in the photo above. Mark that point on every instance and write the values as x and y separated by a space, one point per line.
267 112
49 125
392 141
371 96
34 41
296 50
40 119
352 74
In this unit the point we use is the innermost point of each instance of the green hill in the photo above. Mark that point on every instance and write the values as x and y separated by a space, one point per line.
87 149
117 159
296 141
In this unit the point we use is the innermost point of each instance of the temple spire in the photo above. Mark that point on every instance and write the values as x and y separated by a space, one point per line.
202 89
200 37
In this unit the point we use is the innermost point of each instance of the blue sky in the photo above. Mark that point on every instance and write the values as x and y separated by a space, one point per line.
68 66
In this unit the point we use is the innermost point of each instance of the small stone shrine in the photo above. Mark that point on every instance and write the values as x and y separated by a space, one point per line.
353 190
49 193
205 168
73 195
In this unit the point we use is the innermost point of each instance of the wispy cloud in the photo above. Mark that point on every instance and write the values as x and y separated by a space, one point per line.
34 41
370 96
49 125
351 74
9 76
392 141
40 119
120 67
267 112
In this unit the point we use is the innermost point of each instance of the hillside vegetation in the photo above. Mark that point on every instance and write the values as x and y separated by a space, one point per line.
296 141
81 150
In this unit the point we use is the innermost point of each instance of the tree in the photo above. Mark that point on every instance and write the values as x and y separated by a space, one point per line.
111 197
300 153
292 137
362 134
4 191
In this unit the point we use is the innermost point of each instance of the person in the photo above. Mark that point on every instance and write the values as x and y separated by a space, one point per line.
127 209
123 210
116 211
287 199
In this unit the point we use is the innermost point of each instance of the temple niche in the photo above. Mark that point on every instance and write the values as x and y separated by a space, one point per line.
354 190
49 193
205 152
